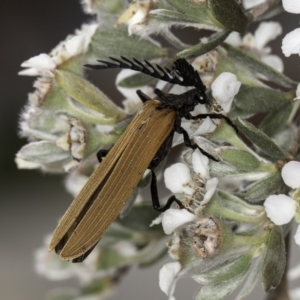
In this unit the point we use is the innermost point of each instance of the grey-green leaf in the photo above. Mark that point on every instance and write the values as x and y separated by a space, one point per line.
214 40
230 14
225 271
247 61
242 160
136 81
251 280
262 189
259 99
87 94
260 139
276 120
274 261
219 291
116 43
43 152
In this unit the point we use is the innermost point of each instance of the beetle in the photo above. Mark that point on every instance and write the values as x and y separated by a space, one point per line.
143 145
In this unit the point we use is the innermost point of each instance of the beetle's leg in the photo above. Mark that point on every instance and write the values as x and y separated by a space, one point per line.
155 198
143 96
187 140
101 154
215 116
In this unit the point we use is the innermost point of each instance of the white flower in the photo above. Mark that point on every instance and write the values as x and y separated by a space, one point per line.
256 43
291 174
280 208
168 276
51 266
291 43
173 218
44 64
198 187
266 32
133 101
224 88
291 6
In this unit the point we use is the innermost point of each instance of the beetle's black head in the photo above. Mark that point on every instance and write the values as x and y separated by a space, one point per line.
200 97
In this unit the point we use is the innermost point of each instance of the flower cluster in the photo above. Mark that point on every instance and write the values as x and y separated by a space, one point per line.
235 194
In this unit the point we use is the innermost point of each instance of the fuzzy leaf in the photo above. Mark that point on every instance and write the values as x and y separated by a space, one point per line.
194 9
260 139
225 271
219 291
230 14
274 261
87 94
259 99
252 278
276 120
116 43
169 16
42 152
214 40
242 160
136 81
262 189
246 61
228 206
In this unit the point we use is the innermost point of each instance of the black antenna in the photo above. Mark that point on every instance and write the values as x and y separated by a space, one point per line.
182 73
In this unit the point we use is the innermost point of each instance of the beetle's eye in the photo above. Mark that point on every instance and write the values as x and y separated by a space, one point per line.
200 98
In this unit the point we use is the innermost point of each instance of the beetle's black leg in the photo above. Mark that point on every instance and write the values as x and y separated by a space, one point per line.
155 198
215 116
143 96
101 154
187 140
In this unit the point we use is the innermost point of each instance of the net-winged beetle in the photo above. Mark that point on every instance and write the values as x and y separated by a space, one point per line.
143 145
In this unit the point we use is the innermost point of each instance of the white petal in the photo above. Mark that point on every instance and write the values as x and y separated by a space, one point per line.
157 220
168 277
266 32
176 176
291 6
132 102
42 61
291 174
291 43
234 39
280 209
173 218
75 182
224 88
297 236
211 186
200 164
274 61
207 126
23 164
294 294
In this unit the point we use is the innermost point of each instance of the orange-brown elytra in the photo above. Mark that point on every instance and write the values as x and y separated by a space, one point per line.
144 144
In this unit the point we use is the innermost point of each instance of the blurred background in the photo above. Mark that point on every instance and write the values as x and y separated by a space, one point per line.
31 202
